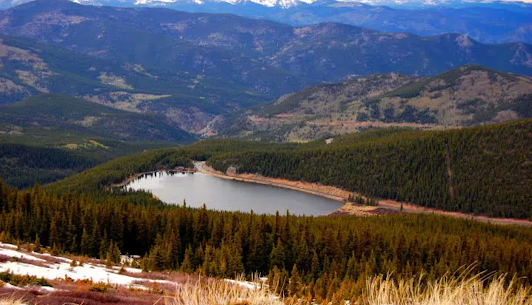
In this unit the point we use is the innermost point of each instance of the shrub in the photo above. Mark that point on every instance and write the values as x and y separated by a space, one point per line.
23 280
99 287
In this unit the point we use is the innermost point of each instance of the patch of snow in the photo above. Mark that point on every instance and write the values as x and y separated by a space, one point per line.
248 285
10 246
127 269
47 288
9 286
18 254
60 269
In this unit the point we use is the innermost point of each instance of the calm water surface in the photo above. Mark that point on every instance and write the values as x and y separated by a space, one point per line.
229 195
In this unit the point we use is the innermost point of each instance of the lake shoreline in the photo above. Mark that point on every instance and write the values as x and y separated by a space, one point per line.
384 207
230 195
138 175
272 182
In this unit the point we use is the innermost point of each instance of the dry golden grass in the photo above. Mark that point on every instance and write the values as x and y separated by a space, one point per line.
449 290
217 292
461 289
11 301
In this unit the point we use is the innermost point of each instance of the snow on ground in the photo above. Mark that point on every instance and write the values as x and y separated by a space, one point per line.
9 246
7 285
246 284
17 254
61 269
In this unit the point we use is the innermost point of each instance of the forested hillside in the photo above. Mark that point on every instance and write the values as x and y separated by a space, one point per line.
22 166
483 170
475 170
49 137
117 170
51 111
209 64
325 258
189 100
465 96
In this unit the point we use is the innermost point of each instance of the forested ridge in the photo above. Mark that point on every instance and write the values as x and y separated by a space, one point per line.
119 169
56 111
22 165
490 167
325 258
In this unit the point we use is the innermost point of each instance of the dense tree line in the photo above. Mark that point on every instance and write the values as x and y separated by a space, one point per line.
327 258
21 165
119 169
319 258
482 170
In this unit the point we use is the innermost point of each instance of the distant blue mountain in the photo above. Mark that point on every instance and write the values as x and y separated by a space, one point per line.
488 22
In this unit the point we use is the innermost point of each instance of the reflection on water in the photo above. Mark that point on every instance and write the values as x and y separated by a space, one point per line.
229 195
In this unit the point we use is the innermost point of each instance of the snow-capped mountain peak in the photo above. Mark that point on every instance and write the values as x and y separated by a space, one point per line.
267 3
286 4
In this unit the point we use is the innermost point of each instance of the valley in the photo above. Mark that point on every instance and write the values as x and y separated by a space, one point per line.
204 71
49 137
265 152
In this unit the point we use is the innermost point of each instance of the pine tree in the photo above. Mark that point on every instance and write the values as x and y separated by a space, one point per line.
315 267
277 257
113 253
37 244
86 244
104 246
108 259
144 263
55 250
236 267
53 233
186 266
95 240
295 282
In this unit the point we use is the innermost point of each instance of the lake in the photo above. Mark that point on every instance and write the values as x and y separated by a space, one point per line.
229 195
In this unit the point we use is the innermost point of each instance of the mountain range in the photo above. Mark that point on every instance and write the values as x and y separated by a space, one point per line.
489 22
194 67
469 95
286 4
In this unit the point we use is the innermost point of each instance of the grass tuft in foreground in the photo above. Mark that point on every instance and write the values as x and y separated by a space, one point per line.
463 289
217 292
448 290
11 301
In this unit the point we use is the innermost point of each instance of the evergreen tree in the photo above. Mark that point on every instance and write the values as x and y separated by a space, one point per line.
315 267
37 244
86 244
295 282
95 240
186 266
277 257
